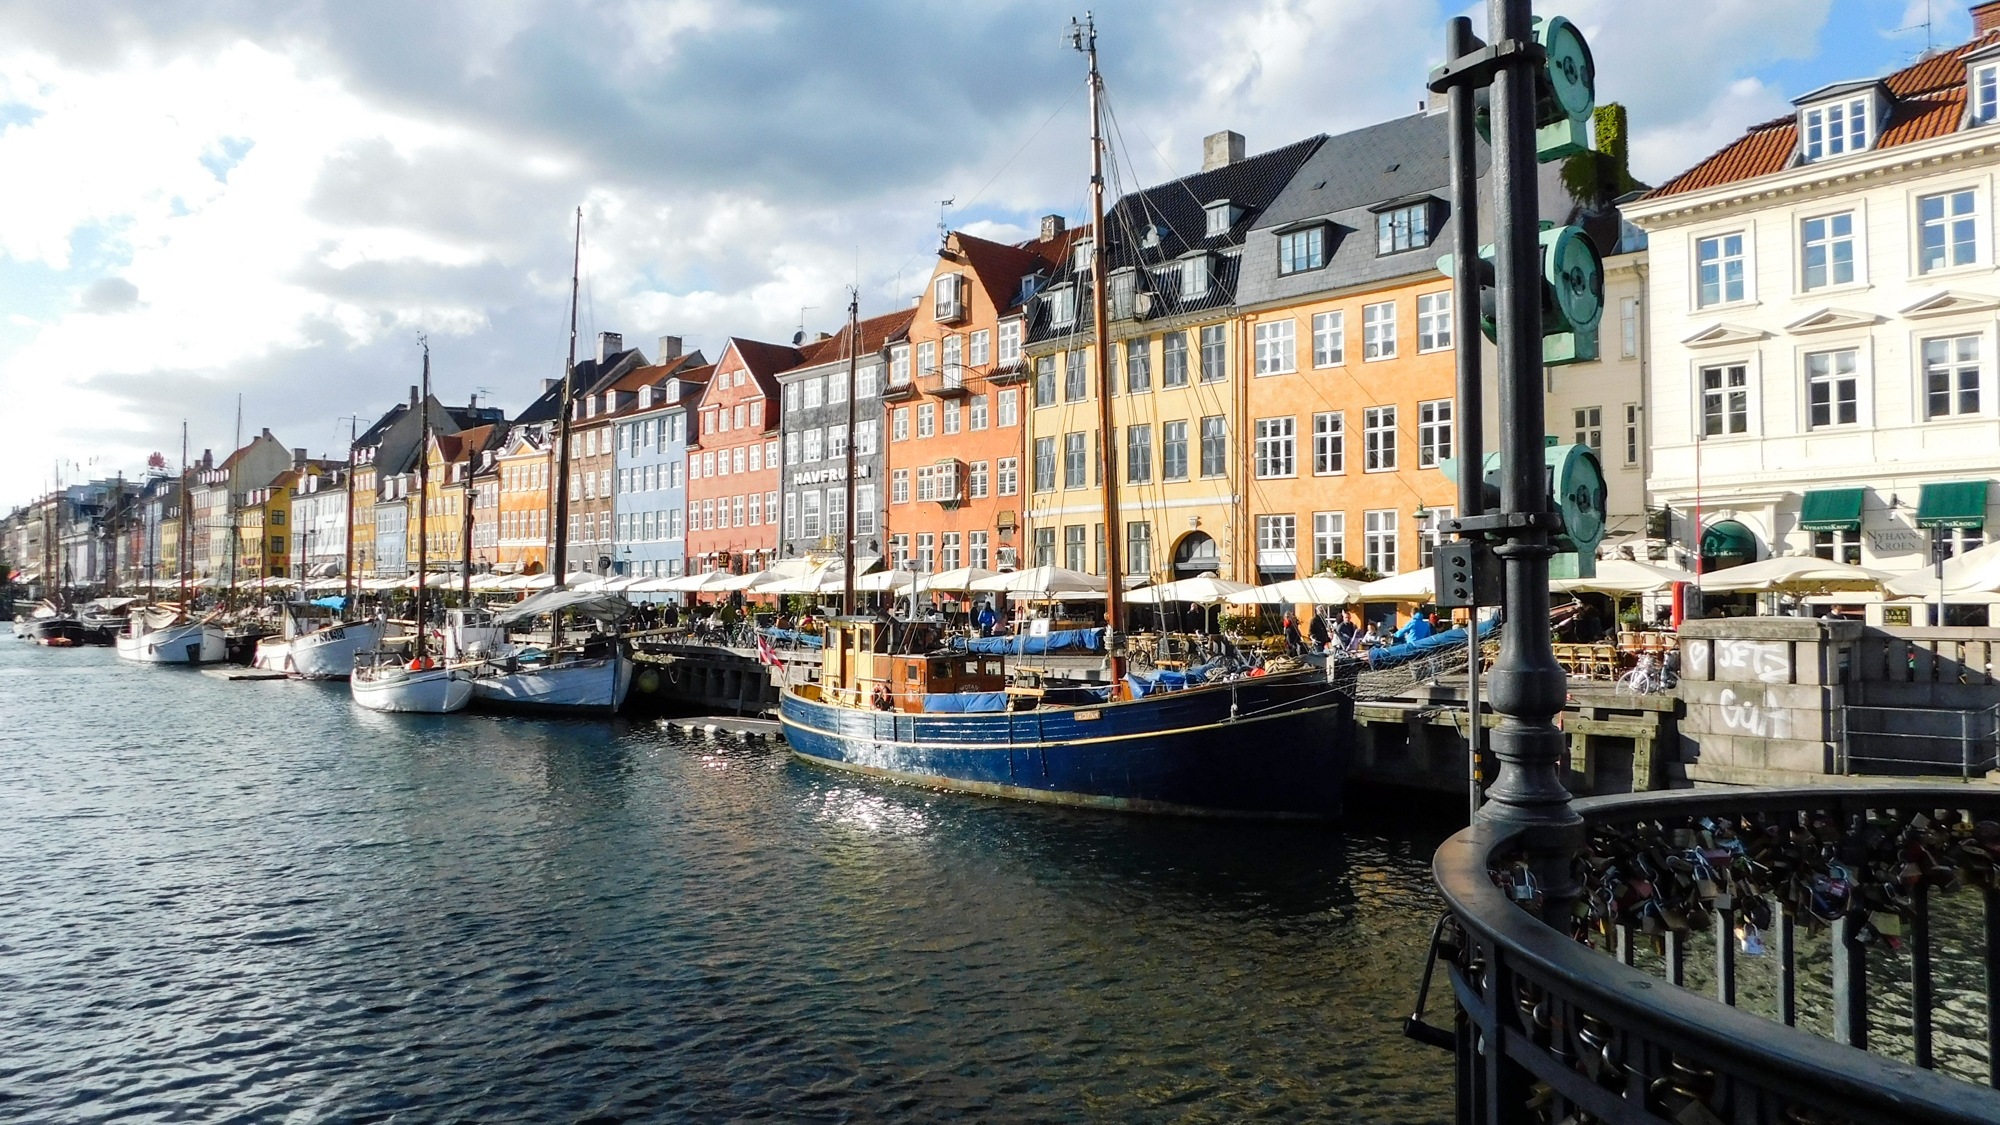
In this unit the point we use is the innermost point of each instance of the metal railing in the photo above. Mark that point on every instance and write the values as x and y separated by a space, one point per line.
1917 741
1549 1029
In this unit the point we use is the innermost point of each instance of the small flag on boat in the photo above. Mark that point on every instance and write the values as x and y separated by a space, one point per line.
765 653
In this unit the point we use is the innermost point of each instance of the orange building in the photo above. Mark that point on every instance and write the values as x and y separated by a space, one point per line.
733 462
525 469
955 405
455 459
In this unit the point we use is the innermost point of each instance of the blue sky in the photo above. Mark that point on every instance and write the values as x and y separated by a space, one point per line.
272 199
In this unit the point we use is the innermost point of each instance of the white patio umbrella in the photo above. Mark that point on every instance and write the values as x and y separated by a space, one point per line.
1624 576
540 581
1974 572
1042 581
1202 589
1792 574
885 580
1409 586
1316 589
589 584
956 581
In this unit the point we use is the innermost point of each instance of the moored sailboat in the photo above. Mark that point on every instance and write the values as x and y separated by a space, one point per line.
895 701
167 635
382 681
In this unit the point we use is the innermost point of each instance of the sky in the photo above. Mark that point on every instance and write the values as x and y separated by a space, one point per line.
268 201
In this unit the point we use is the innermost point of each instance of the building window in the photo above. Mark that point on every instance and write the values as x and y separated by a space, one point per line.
1076 377
1947 231
1329 538
977 479
1433 322
1378 439
899 424
1275 447
836 511
1329 443
1045 464
927 552
1173 451
1839 546
1378 331
813 444
1725 400
1828 245
1276 350
1589 426
1008 469
1329 339
1631 433
1212 355
756 509
1076 462
948 551
976 411
1302 250
1405 228
1139 454
1433 433
1174 359
975 543
1831 389
1833 129
951 416
1010 407
899 486
809 514
1378 541
1010 342
1139 547
927 419
1278 542
1075 543
1045 546
1214 446
1430 534
1628 327
836 445
1951 376
864 510
1061 302
927 483
1139 365
1720 269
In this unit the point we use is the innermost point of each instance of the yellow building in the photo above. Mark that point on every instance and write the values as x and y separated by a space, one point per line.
263 528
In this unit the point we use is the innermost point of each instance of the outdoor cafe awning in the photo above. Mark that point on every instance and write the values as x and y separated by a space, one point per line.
1832 509
1959 503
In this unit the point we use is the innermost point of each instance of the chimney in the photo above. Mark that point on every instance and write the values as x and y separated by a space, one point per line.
1052 225
299 458
413 395
267 431
1220 150
670 348
550 384
608 345
473 404
1985 17
208 459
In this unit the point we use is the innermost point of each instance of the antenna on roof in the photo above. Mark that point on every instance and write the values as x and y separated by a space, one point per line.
799 337
944 230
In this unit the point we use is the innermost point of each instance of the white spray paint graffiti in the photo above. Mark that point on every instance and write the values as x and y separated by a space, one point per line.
1696 657
1758 718
1769 661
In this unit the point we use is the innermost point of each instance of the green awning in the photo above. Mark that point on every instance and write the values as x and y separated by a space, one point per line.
1832 509
1959 503
1728 540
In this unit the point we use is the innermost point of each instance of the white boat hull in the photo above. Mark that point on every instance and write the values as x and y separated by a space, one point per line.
188 643
434 691
323 654
591 686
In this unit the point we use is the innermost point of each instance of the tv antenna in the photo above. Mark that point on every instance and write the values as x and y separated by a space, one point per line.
944 231
799 337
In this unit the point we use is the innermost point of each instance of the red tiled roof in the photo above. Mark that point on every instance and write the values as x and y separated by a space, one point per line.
1931 103
876 331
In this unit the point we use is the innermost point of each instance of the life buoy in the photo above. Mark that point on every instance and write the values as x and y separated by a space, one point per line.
880 699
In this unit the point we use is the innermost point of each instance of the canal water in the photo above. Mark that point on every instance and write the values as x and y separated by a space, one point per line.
254 902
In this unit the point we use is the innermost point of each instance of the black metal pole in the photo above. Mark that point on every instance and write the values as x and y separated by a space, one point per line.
1471 408
1528 686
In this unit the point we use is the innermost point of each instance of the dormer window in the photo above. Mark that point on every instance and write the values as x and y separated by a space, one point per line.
1985 93
1301 248
1030 285
1830 130
1222 215
1403 226
1061 302
646 400
1121 288
1195 272
949 307
1079 258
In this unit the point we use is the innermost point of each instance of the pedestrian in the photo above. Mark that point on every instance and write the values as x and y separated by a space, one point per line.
1294 644
1319 633
987 619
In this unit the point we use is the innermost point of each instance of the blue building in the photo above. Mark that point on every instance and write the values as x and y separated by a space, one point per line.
649 536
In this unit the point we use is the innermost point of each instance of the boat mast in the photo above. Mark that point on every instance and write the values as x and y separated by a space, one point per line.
465 530
423 494
562 436
853 367
347 564
181 552
1084 38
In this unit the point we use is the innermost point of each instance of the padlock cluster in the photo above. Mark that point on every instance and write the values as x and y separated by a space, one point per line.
1661 876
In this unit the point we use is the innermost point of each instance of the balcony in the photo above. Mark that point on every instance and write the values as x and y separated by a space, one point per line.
1832 893
899 392
948 381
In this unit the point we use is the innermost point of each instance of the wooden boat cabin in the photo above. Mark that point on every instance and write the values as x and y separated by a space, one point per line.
885 665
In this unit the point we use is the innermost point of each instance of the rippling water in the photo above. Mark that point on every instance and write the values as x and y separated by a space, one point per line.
254 902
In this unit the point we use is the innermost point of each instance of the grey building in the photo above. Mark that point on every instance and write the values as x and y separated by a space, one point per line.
815 439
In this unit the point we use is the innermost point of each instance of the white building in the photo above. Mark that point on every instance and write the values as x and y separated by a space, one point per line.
1823 297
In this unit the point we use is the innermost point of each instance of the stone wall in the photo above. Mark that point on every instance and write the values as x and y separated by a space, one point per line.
1763 698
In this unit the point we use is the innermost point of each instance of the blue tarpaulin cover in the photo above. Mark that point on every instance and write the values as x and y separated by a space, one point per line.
335 602
1166 679
1396 654
965 702
810 640
1021 644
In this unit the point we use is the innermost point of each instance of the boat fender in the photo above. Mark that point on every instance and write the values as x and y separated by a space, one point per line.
880 699
648 682
420 664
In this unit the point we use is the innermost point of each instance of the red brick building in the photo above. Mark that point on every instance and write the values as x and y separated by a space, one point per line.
733 475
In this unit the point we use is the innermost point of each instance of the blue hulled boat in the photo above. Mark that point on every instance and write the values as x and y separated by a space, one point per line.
1271 746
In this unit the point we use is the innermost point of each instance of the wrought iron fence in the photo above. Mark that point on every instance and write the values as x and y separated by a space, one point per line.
1550 1029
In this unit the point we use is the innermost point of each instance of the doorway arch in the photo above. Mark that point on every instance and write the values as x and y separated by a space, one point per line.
1196 554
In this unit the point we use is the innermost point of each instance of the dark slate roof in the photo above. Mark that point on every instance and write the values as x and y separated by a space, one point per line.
1176 209
587 377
